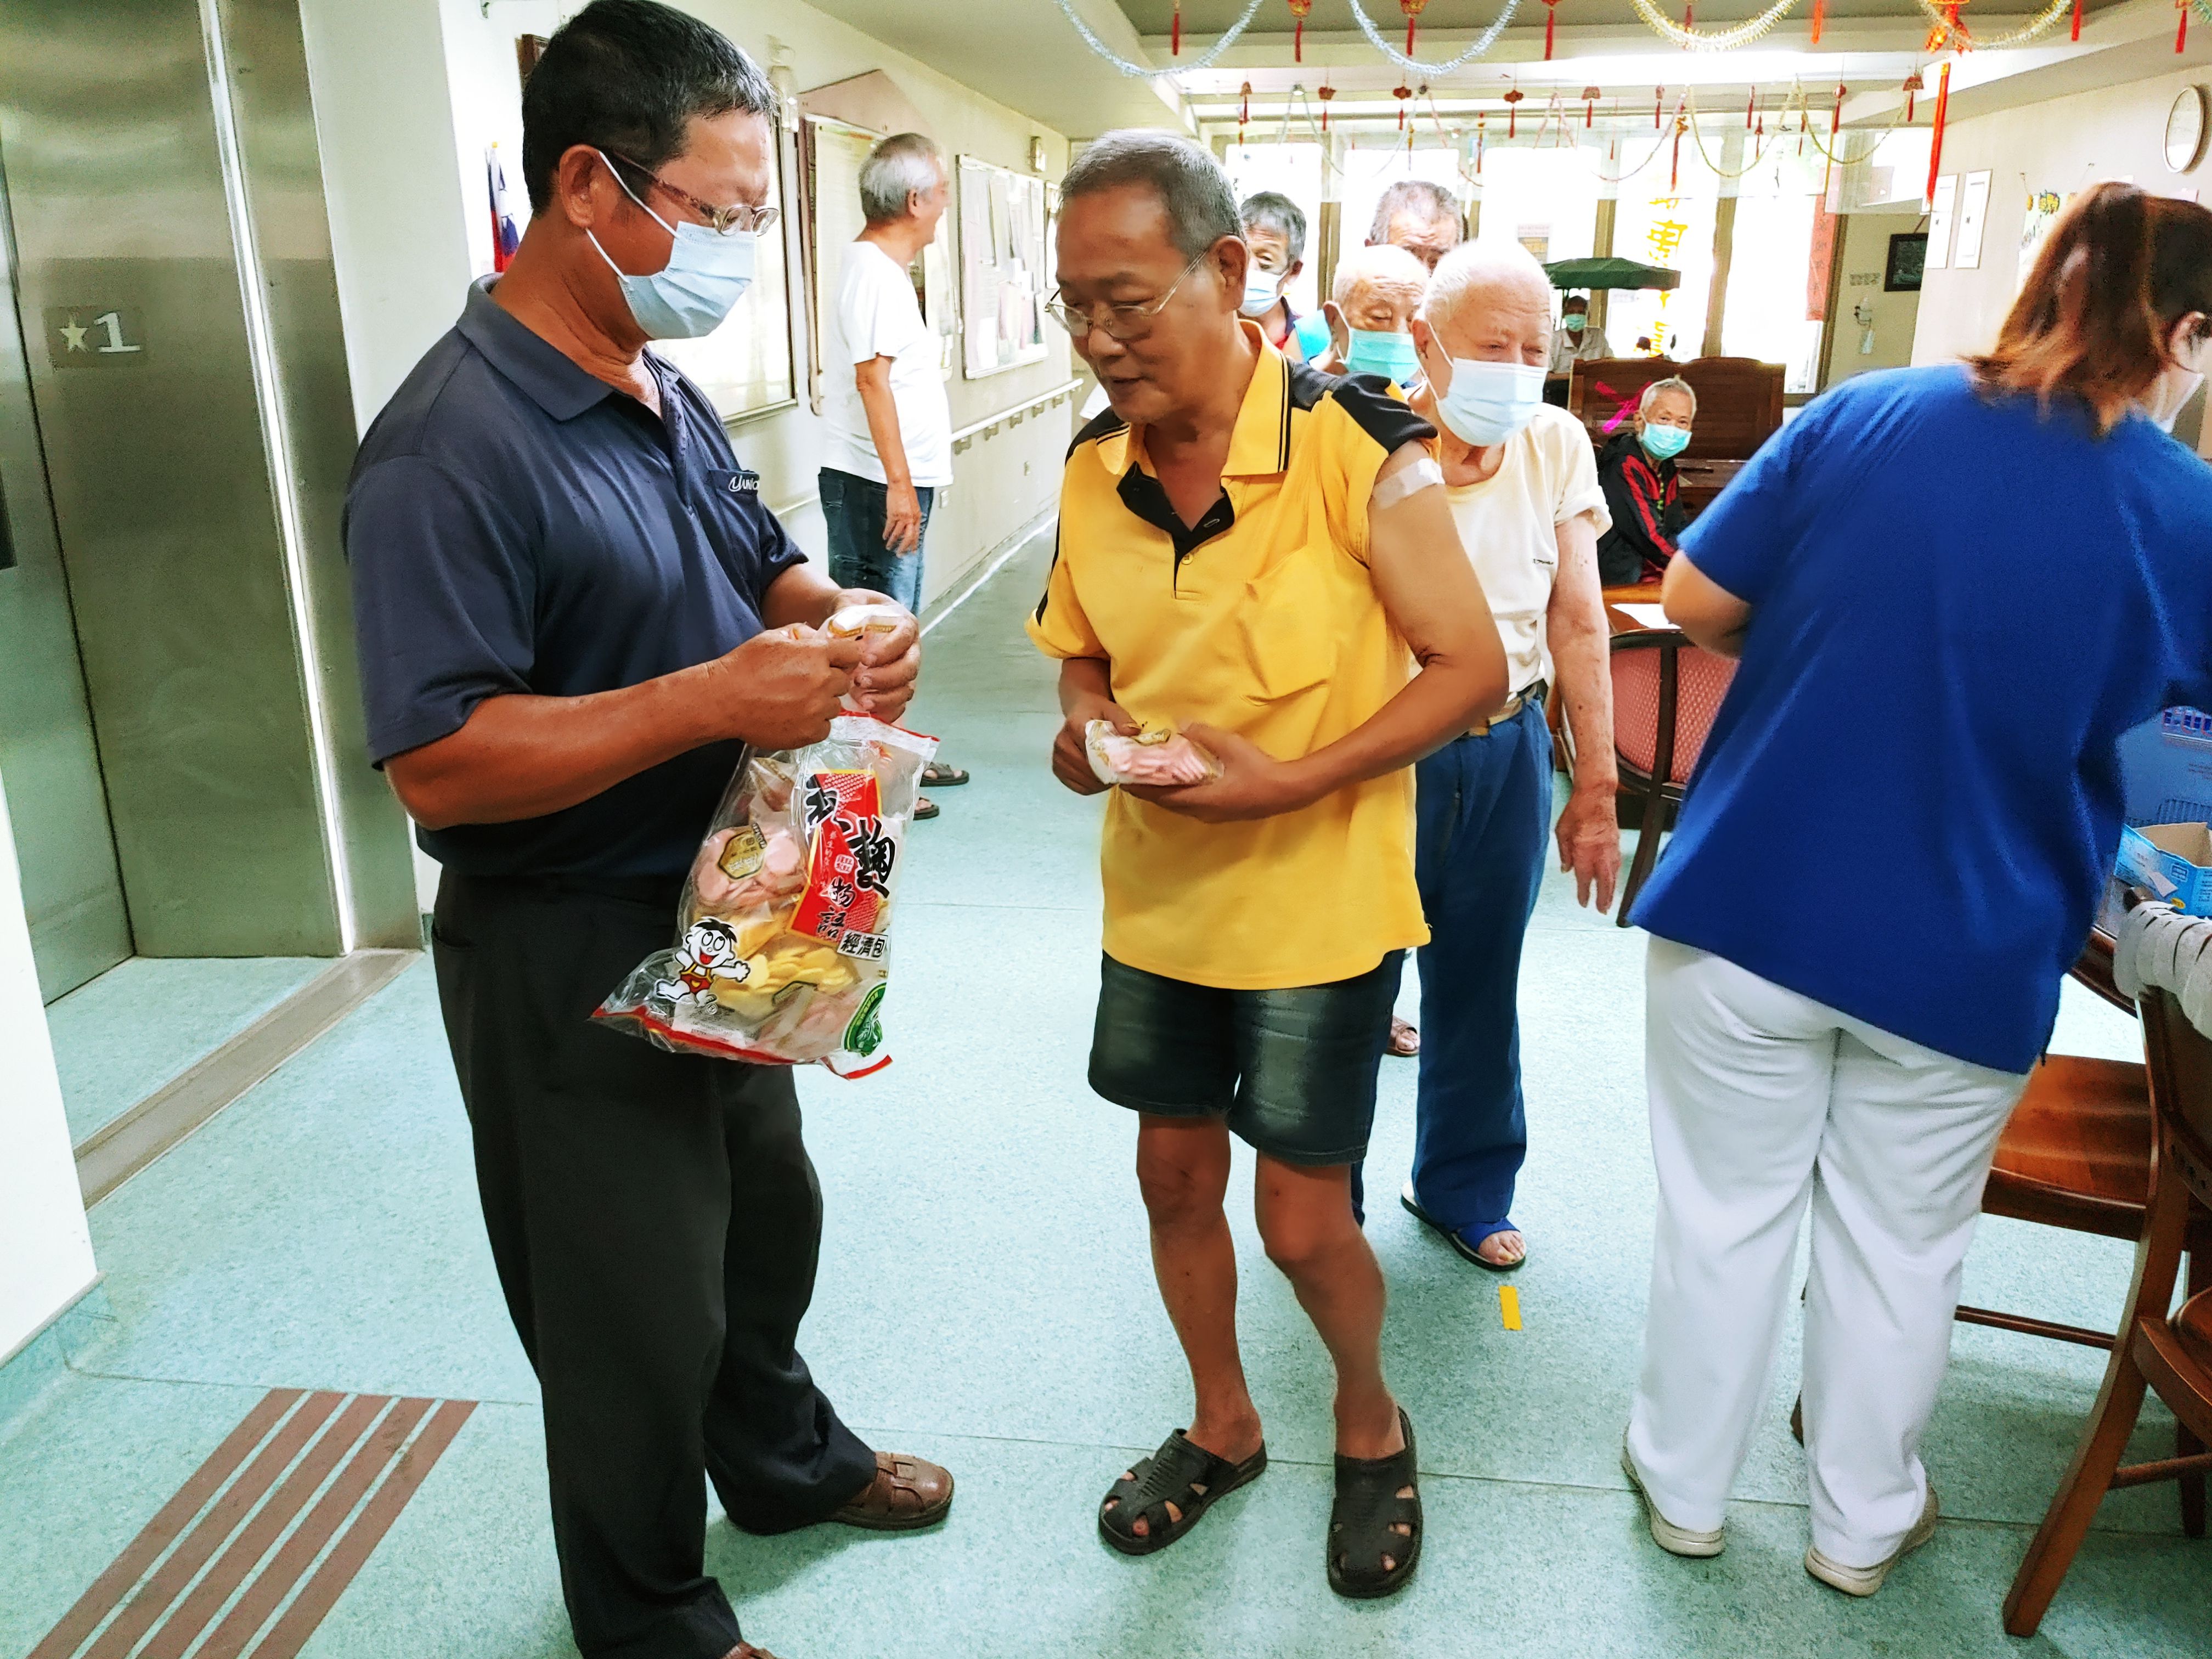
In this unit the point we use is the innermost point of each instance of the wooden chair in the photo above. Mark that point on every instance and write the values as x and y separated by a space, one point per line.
1738 400
1665 694
2170 1352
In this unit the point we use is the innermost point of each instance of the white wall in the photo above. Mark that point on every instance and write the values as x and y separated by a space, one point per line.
45 1248
1865 256
2064 144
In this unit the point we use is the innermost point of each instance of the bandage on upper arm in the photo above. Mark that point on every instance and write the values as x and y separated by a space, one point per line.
1422 474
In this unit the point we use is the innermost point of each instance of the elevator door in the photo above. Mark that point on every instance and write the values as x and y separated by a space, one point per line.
48 761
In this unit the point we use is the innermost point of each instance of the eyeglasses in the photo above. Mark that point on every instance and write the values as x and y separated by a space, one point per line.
1122 321
722 221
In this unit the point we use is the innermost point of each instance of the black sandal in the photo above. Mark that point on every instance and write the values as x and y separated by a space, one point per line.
1188 1476
937 776
1367 1506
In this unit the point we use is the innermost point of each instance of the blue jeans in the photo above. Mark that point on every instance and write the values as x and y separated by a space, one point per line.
1483 809
854 508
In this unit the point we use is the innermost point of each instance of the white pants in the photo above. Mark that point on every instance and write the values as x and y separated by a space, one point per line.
1763 1100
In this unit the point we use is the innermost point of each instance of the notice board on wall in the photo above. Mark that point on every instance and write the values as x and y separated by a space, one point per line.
1004 254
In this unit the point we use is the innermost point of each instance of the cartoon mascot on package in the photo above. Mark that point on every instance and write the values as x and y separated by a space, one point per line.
709 952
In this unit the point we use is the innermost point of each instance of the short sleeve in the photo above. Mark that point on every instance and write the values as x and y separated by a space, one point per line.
1742 541
878 313
1058 626
776 553
1575 487
1375 422
445 594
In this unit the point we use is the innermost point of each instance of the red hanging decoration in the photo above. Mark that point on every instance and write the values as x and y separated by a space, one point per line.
1551 25
1658 98
1935 143
1589 104
1751 109
1298 9
1675 169
1913 84
2077 19
1835 123
1402 94
1243 109
1481 137
1413 10
2181 34
1513 97
1175 32
1689 18
1820 19
1324 92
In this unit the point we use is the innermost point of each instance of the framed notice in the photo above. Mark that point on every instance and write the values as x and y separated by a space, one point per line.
1973 208
1004 276
1908 258
746 366
1940 207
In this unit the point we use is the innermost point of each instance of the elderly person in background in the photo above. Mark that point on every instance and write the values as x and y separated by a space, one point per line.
888 447
1922 732
1421 217
1642 491
1275 231
1579 337
1370 315
1259 554
1524 496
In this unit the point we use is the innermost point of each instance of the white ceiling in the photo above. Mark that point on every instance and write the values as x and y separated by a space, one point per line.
1025 55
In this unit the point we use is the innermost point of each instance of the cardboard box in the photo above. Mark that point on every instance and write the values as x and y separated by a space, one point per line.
2173 861
2166 768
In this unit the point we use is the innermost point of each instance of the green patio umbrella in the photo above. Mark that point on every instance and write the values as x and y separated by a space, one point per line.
1610 273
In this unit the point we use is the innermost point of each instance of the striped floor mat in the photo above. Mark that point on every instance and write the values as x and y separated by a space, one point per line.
256 1547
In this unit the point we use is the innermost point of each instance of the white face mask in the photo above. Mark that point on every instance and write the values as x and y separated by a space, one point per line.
1261 289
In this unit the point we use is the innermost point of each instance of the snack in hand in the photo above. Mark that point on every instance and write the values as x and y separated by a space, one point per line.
1162 759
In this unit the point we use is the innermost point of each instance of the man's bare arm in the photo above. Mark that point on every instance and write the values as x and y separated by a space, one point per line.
1581 643
901 505
1714 618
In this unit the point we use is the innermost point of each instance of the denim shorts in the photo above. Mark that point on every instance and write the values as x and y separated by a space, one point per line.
1293 1071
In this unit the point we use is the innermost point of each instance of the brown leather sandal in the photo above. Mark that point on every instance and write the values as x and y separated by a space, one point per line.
907 1495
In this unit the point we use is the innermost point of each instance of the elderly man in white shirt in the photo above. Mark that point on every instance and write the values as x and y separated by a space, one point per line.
1523 488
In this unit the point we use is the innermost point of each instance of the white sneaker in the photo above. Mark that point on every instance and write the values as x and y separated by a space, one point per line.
1865 1581
1675 1541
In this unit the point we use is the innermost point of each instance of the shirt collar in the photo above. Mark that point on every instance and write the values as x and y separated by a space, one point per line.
1260 446
561 388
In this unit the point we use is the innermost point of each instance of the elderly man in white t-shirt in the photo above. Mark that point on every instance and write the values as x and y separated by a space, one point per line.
889 447
1523 488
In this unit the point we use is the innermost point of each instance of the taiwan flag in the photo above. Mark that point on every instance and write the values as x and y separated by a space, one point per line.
506 228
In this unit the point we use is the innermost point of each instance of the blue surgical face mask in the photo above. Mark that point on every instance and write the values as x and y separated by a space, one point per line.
1488 403
706 275
1261 289
1378 351
1665 442
1574 322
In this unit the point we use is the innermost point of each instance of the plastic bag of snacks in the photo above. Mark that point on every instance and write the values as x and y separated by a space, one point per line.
783 938
1160 759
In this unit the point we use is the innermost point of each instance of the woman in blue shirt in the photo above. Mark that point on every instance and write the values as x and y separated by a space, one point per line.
1952 589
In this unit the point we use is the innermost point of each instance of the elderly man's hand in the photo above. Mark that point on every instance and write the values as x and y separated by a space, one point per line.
1253 783
1070 753
890 664
1589 845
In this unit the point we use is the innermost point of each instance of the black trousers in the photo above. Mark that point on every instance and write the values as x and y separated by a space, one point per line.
655 1220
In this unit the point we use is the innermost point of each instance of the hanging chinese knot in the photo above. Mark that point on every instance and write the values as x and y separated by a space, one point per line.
1551 25
1413 10
1658 99
1936 143
2181 32
1751 109
1820 19
1513 97
1243 109
1674 170
1913 85
1589 104
1324 92
1402 94
2077 19
1298 10
1175 32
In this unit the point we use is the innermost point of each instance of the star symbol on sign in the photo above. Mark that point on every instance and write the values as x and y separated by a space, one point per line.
73 333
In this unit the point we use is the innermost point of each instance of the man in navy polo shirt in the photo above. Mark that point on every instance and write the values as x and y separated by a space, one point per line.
573 613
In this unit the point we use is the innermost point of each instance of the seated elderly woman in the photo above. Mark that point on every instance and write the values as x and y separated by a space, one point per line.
1524 495
1641 489
1372 307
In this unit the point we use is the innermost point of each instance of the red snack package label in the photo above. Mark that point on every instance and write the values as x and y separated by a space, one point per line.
849 867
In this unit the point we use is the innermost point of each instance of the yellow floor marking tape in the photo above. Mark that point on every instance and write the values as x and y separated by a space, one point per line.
1508 1306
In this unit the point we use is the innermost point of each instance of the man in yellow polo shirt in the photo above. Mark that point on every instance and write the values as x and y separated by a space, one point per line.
1262 556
